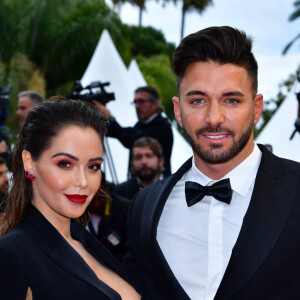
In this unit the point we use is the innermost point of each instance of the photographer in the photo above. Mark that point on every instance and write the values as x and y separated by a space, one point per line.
151 123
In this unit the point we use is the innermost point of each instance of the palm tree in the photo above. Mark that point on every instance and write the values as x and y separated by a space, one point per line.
188 5
53 39
58 36
292 17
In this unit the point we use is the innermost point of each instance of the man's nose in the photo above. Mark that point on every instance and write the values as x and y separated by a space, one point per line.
214 114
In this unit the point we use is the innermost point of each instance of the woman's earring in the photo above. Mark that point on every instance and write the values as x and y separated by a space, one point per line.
29 176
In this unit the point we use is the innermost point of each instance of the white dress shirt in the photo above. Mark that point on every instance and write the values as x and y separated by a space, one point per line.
197 241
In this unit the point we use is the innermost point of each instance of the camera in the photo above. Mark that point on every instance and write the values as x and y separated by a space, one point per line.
95 91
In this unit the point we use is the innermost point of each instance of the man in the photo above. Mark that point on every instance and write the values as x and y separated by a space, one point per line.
4 185
151 123
226 225
4 182
146 167
27 100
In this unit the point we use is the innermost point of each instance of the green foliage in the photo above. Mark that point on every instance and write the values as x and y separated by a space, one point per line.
295 15
189 5
158 72
148 41
20 74
58 36
47 44
51 41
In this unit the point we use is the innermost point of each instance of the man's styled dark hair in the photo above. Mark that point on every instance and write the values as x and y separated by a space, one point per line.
223 45
151 90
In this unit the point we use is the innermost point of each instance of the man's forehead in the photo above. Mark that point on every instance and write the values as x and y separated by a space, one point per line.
142 150
142 94
25 100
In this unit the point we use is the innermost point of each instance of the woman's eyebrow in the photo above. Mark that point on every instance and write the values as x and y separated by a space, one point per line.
66 154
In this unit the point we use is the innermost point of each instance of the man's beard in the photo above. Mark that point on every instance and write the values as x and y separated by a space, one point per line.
222 156
147 176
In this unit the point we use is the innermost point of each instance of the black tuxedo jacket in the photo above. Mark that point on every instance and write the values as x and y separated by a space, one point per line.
35 255
265 261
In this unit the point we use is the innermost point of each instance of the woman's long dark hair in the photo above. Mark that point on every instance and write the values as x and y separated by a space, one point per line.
43 123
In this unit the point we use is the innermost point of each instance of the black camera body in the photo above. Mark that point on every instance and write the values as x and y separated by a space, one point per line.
95 92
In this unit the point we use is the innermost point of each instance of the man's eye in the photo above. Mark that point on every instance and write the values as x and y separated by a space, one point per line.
94 167
198 101
64 164
232 101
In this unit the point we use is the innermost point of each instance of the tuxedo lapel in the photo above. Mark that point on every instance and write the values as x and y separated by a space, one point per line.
266 217
152 210
58 249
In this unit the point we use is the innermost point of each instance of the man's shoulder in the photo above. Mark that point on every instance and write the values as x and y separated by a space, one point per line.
162 119
127 188
275 165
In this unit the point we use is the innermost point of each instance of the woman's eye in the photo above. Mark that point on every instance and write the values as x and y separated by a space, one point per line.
64 164
94 167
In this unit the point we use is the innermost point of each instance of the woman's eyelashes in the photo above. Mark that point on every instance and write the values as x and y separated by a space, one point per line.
95 167
65 164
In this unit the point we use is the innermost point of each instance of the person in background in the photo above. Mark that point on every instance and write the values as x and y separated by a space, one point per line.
27 100
4 182
4 186
226 225
45 251
151 123
108 214
146 167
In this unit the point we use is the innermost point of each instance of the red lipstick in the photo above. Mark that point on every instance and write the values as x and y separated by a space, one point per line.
76 198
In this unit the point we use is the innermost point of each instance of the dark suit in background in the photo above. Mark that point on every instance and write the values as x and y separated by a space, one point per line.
159 128
111 230
35 255
265 261
126 189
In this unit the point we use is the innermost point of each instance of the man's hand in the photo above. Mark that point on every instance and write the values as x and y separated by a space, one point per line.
102 108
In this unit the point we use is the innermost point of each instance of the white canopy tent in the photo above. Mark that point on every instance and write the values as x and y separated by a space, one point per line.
279 129
107 65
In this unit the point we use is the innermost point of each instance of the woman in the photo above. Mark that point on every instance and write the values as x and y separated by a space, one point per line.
56 173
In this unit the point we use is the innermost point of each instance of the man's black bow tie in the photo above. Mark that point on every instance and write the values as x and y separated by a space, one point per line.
221 190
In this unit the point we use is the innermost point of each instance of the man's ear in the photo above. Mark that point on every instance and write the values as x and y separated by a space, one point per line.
176 103
258 107
28 162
